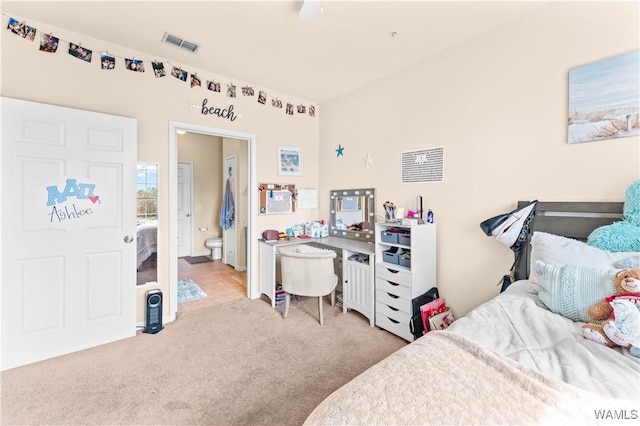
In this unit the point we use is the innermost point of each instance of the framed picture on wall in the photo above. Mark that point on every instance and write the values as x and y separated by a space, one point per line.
604 99
289 161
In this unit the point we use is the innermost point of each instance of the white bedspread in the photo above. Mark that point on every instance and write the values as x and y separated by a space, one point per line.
514 325
460 376
147 241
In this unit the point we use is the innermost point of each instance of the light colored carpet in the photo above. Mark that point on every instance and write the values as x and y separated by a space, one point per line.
237 363
188 290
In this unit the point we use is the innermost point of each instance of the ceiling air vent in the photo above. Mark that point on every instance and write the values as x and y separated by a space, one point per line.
177 41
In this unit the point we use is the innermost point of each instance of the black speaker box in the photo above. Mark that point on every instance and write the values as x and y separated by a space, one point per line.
154 311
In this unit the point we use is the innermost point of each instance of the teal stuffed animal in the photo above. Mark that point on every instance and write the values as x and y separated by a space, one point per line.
625 234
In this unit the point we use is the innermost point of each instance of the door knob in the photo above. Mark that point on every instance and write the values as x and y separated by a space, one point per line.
188 215
128 239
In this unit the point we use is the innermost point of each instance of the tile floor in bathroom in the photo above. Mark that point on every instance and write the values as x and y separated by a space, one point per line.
221 282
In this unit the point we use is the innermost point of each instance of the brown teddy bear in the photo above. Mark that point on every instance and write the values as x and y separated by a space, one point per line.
627 284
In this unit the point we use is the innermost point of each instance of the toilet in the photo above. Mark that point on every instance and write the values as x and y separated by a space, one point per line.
215 244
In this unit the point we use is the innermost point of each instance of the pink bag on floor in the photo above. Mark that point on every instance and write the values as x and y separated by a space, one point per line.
436 315
441 320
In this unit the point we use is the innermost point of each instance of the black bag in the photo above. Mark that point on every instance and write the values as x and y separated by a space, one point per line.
492 223
415 325
507 227
504 283
511 229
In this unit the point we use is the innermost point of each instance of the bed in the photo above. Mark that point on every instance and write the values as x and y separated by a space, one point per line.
147 241
511 360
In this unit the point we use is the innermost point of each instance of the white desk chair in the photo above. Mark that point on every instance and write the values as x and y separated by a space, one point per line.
308 271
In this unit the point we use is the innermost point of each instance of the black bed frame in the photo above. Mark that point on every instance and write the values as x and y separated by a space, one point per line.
570 219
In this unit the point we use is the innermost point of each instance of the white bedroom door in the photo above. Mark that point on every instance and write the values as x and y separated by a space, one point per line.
68 230
185 191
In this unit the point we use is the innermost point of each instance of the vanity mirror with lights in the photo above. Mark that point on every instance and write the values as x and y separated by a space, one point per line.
353 214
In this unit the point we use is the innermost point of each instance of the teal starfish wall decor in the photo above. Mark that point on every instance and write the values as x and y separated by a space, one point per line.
340 150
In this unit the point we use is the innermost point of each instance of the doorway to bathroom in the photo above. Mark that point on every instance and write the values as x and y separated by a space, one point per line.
206 150
211 216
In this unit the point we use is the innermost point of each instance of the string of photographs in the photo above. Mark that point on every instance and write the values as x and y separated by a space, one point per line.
50 44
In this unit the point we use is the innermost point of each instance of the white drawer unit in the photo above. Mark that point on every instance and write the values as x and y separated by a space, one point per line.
394 313
394 301
405 269
396 327
393 288
393 274
357 286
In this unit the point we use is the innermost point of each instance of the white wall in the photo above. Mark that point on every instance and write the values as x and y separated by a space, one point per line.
498 106
60 79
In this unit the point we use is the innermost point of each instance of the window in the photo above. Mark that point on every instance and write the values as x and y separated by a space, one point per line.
147 192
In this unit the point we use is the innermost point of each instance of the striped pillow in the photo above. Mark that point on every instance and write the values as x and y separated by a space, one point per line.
570 290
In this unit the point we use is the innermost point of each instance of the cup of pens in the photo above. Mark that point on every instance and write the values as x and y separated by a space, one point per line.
389 212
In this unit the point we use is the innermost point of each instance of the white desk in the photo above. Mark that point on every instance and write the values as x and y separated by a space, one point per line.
358 280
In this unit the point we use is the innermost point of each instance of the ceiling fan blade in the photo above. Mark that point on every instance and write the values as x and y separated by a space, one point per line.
309 9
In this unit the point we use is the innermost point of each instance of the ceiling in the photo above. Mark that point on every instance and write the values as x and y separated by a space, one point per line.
265 44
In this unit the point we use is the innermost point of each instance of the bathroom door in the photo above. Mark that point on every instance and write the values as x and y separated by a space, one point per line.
185 191
230 241
68 230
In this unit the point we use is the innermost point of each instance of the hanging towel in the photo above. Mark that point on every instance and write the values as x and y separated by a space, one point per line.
227 213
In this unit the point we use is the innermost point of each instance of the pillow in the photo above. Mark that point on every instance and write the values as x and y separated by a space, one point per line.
557 250
570 290
631 262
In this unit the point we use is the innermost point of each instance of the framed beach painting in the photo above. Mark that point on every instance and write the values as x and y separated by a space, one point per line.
289 161
604 99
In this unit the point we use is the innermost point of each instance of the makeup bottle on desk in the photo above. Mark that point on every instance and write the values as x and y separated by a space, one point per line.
429 216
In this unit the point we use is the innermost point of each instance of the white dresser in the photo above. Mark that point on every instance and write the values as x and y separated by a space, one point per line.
400 278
